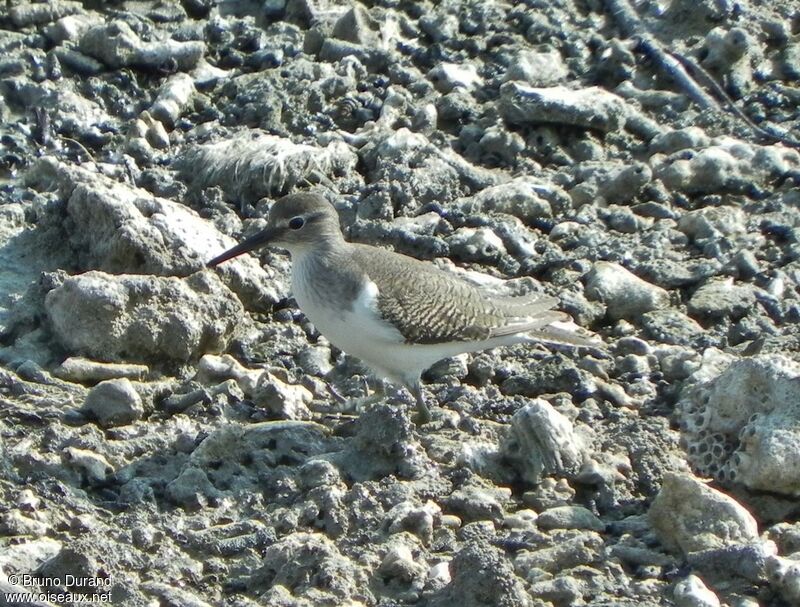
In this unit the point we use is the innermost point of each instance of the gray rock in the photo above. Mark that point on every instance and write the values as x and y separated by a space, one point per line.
671 327
143 318
741 421
671 274
713 223
692 592
524 197
605 183
92 467
728 166
625 294
172 595
254 165
569 517
25 14
192 489
114 403
415 518
679 139
562 590
476 244
83 370
312 565
212 369
542 441
740 560
784 575
478 503
449 76
283 400
591 108
117 45
402 570
537 68
578 548
232 454
481 576
316 360
357 26
719 298
689 516
134 232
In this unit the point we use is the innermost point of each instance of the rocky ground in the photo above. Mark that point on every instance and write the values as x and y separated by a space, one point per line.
169 434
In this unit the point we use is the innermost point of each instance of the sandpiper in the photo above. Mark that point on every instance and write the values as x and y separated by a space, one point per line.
399 315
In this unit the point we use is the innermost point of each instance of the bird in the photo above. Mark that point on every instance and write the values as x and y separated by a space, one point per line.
397 314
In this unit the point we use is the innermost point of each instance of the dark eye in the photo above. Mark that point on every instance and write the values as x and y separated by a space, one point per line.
296 223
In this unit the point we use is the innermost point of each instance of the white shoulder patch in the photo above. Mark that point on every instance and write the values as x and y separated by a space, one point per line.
365 310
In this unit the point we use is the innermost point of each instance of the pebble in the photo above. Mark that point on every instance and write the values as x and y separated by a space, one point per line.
114 402
721 298
692 592
569 517
624 294
84 370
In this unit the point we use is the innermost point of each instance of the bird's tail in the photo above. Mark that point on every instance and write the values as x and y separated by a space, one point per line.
566 334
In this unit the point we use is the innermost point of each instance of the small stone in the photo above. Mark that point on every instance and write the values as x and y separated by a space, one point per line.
721 298
84 370
451 521
399 564
315 360
286 401
542 441
542 68
14 523
28 501
191 489
483 575
449 76
692 592
414 518
570 517
448 367
524 519
784 574
671 327
476 504
213 369
114 403
625 294
93 466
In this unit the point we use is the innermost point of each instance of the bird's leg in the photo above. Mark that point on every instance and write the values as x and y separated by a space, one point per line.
423 413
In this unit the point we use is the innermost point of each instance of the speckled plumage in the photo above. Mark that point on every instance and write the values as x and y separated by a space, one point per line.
396 313
430 306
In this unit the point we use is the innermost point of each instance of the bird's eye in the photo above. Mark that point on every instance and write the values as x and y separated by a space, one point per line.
296 223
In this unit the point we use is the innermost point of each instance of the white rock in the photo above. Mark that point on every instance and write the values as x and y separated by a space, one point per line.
114 402
542 441
688 516
692 592
625 294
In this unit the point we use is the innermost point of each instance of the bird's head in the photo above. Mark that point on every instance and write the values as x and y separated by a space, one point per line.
297 222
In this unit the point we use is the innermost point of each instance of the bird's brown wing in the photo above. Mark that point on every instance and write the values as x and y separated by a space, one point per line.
428 305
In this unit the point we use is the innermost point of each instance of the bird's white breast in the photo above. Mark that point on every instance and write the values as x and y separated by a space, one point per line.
352 326
356 327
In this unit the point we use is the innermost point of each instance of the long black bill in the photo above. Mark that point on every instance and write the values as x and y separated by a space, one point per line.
254 242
